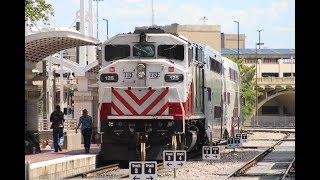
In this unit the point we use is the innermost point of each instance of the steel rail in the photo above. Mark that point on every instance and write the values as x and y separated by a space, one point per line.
288 169
255 160
96 171
160 165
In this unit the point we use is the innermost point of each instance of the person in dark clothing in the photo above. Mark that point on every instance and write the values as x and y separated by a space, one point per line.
57 120
86 129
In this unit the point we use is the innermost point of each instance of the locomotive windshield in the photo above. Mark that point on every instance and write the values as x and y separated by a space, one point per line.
114 52
143 50
171 51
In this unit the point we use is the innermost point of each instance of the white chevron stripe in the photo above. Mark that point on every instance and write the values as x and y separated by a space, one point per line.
135 106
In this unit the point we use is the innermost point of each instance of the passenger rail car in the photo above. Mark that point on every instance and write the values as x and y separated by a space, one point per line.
161 90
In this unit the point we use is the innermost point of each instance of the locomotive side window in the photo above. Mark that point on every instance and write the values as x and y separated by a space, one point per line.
114 52
143 50
217 112
190 55
171 51
196 53
209 94
215 66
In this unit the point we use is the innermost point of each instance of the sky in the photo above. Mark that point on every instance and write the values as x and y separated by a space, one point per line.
276 18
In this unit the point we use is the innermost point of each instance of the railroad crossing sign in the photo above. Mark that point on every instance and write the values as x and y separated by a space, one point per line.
210 152
146 170
174 159
244 137
233 143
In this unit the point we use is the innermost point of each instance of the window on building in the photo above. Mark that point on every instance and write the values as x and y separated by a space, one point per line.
228 98
270 74
270 60
288 74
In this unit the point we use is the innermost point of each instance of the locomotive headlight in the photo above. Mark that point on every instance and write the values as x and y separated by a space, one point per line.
110 124
141 68
141 75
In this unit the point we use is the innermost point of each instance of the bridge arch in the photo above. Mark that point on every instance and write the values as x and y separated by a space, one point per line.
260 104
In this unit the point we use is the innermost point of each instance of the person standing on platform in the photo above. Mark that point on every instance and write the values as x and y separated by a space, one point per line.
57 120
86 129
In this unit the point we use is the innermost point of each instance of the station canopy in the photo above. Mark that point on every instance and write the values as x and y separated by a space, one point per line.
41 45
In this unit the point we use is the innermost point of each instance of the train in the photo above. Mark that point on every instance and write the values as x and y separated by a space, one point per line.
159 91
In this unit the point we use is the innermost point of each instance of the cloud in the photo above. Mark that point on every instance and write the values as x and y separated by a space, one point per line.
166 12
134 1
285 29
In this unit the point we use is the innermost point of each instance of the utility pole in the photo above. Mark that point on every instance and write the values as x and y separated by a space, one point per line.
259 43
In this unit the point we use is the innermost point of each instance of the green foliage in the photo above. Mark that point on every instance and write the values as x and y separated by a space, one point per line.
38 10
247 85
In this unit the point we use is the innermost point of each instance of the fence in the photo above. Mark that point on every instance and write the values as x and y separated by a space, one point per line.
69 124
271 121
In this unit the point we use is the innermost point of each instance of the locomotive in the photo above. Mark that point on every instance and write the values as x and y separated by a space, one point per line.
158 91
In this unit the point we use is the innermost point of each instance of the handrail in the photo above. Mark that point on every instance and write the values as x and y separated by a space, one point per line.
69 124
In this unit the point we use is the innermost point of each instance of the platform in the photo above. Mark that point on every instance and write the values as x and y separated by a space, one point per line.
57 165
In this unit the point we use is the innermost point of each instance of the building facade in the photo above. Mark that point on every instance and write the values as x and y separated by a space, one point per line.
205 34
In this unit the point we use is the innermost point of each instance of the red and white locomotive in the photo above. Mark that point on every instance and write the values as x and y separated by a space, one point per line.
161 90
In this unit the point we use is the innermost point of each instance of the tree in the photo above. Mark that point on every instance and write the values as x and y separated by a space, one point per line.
247 86
38 10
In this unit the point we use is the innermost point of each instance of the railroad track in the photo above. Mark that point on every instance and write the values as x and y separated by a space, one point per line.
94 172
160 165
240 171
114 167
289 170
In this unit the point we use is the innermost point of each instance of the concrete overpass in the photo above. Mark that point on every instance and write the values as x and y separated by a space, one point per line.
275 92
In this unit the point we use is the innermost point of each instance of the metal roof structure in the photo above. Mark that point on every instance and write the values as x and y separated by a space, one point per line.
41 45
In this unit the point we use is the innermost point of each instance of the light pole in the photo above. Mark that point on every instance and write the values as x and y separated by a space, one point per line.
238 37
257 120
97 17
107 27
259 30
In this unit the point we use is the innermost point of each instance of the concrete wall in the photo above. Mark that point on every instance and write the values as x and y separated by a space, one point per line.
205 34
279 67
231 41
61 167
